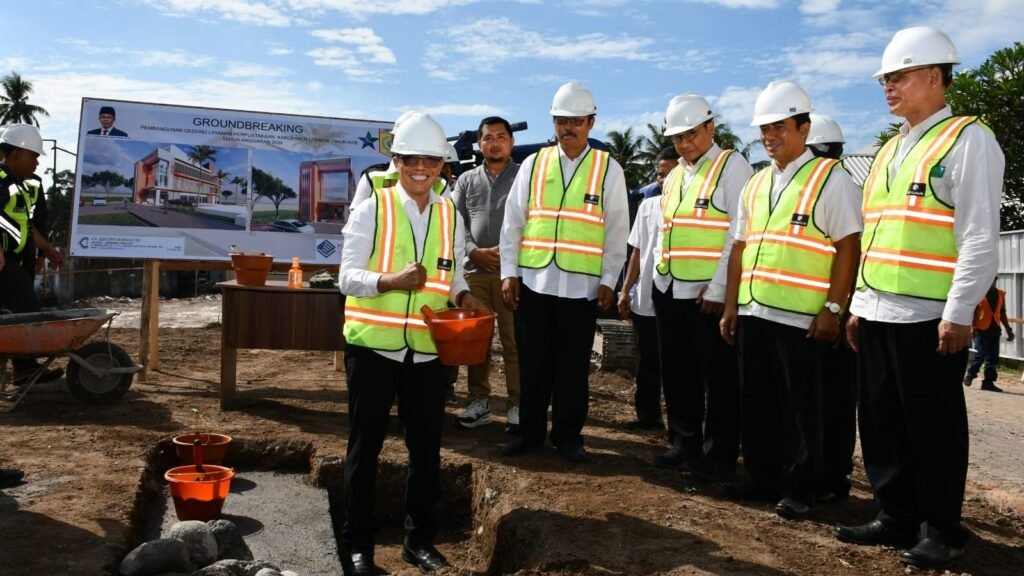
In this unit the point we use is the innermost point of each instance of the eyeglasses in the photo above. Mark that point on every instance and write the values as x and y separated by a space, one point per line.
425 161
897 76
576 121
688 136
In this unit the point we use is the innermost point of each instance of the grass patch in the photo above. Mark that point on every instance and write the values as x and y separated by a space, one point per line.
117 219
268 217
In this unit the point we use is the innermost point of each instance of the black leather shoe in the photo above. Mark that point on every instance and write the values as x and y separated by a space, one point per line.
362 564
708 470
792 508
746 489
574 453
10 477
874 532
424 557
990 386
673 459
644 425
518 447
932 552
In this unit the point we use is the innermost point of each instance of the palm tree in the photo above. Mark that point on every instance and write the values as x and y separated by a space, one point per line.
651 147
202 154
625 148
888 133
727 140
14 106
237 181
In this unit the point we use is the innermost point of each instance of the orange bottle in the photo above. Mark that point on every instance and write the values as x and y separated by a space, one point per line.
295 275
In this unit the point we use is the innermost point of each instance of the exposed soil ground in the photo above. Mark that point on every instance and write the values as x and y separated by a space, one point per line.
78 512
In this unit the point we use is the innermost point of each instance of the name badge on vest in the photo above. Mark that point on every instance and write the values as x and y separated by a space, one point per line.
916 189
591 199
800 219
444 264
388 183
702 203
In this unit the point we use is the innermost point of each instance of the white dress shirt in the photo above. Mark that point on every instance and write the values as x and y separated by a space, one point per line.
359 234
551 280
972 183
642 236
730 186
837 212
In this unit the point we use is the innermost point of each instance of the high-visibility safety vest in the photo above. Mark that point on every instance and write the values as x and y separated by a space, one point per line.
381 179
392 321
565 224
985 314
693 230
17 212
787 261
908 246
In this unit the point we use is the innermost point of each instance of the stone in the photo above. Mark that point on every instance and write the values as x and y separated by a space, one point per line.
289 573
198 537
156 557
268 572
230 544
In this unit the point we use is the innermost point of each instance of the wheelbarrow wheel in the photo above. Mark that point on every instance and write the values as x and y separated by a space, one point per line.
94 389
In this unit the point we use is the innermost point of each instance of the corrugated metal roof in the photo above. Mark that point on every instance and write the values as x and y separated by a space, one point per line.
858 166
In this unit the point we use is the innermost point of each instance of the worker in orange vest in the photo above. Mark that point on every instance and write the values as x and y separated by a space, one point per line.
989 314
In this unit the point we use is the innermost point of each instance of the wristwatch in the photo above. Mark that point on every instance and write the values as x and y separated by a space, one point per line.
833 307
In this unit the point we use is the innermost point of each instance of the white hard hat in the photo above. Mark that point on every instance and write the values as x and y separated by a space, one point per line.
917 46
419 134
450 154
781 99
573 99
405 115
23 136
824 130
686 112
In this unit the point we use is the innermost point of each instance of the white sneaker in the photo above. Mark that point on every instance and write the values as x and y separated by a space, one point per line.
476 414
512 420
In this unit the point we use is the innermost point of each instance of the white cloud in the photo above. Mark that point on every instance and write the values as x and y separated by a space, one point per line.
752 4
735 106
638 122
241 11
818 6
543 79
469 110
176 58
361 9
255 71
366 41
977 27
460 54
279 51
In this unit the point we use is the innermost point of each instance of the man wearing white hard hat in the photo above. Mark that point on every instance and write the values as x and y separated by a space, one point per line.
698 213
403 250
931 207
790 272
563 244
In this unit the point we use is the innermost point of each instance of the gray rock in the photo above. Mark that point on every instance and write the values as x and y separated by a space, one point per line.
230 544
233 567
289 573
268 572
156 557
198 537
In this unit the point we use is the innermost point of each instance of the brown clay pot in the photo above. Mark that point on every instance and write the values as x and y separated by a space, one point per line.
251 269
215 447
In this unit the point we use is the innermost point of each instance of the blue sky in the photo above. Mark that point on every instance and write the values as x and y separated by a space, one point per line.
464 59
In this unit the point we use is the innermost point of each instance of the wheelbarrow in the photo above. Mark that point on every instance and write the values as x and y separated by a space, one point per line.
98 372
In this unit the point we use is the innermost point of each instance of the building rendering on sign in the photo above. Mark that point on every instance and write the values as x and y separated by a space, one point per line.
168 174
325 188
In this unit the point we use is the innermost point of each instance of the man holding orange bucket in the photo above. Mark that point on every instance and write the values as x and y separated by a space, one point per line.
563 244
403 250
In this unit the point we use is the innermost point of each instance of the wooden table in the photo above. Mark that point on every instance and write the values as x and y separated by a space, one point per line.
275 317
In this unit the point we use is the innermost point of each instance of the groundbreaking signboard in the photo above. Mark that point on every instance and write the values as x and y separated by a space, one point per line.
168 182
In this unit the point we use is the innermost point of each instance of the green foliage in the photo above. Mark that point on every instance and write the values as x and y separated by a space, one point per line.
106 179
995 92
727 140
202 154
14 105
887 134
625 148
59 198
266 185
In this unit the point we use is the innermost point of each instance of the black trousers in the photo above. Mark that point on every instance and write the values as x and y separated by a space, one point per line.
373 383
780 375
555 337
647 399
699 369
839 418
17 295
913 425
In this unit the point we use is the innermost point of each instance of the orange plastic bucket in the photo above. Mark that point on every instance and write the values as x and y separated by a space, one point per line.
462 335
199 495
215 447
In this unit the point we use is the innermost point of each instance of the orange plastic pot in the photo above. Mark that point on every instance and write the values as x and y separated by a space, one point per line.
251 269
462 335
215 447
199 495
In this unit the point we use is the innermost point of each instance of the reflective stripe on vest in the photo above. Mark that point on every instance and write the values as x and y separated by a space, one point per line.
565 223
984 314
693 230
787 261
381 179
16 216
908 246
392 320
